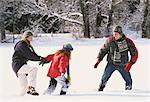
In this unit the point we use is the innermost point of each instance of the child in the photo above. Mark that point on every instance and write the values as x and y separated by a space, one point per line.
59 66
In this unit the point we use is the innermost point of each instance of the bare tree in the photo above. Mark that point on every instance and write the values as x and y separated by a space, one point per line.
146 21
61 10
110 19
80 14
84 10
2 30
2 26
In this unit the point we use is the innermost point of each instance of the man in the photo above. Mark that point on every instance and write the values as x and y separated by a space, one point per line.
117 47
24 52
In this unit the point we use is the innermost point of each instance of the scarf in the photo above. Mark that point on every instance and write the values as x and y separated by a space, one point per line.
121 47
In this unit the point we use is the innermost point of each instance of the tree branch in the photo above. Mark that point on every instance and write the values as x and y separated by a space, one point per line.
67 19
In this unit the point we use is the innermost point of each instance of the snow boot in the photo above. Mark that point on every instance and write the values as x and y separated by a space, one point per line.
63 92
102 86
32 91
128 87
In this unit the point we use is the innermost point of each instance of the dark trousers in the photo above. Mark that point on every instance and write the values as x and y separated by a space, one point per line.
52 85
110 68
52 82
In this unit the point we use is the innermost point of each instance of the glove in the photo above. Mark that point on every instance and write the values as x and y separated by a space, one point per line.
68 78
43 61
97 63
128 66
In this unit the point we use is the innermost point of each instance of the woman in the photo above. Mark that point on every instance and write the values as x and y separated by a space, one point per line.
58 68
23 51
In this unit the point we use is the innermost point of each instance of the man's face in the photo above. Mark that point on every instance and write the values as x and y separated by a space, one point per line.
116 35
29 38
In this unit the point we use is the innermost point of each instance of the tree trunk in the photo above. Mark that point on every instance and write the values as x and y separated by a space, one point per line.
84 11
146 21
98 24
2 30
98 19
2 25
110 19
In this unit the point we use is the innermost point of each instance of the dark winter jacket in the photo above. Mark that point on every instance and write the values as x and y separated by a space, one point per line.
117 51
23 52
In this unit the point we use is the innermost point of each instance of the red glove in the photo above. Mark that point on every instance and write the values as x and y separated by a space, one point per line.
128 66
96 64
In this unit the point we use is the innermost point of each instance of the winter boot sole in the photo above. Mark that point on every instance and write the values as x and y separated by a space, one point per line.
34 94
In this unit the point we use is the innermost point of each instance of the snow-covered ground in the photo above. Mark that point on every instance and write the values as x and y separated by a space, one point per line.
84 78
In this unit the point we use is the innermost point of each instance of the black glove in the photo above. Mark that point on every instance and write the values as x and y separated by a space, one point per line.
43 61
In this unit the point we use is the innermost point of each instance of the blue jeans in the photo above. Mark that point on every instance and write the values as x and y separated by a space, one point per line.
110 68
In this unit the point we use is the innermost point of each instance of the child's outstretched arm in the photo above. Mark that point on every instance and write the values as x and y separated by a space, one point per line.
46 59
49 57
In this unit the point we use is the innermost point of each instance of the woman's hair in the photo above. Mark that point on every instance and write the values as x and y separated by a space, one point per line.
64 52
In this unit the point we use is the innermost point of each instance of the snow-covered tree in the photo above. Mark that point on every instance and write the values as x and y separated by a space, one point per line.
146 20
63 12
85 13
2 26
95 17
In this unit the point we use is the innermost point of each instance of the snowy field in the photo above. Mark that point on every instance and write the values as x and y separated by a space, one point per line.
84 78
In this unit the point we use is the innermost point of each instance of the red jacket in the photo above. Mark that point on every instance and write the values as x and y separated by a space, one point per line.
58 65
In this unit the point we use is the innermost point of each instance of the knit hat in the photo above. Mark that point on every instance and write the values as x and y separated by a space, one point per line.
118 29
68 47
27 34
